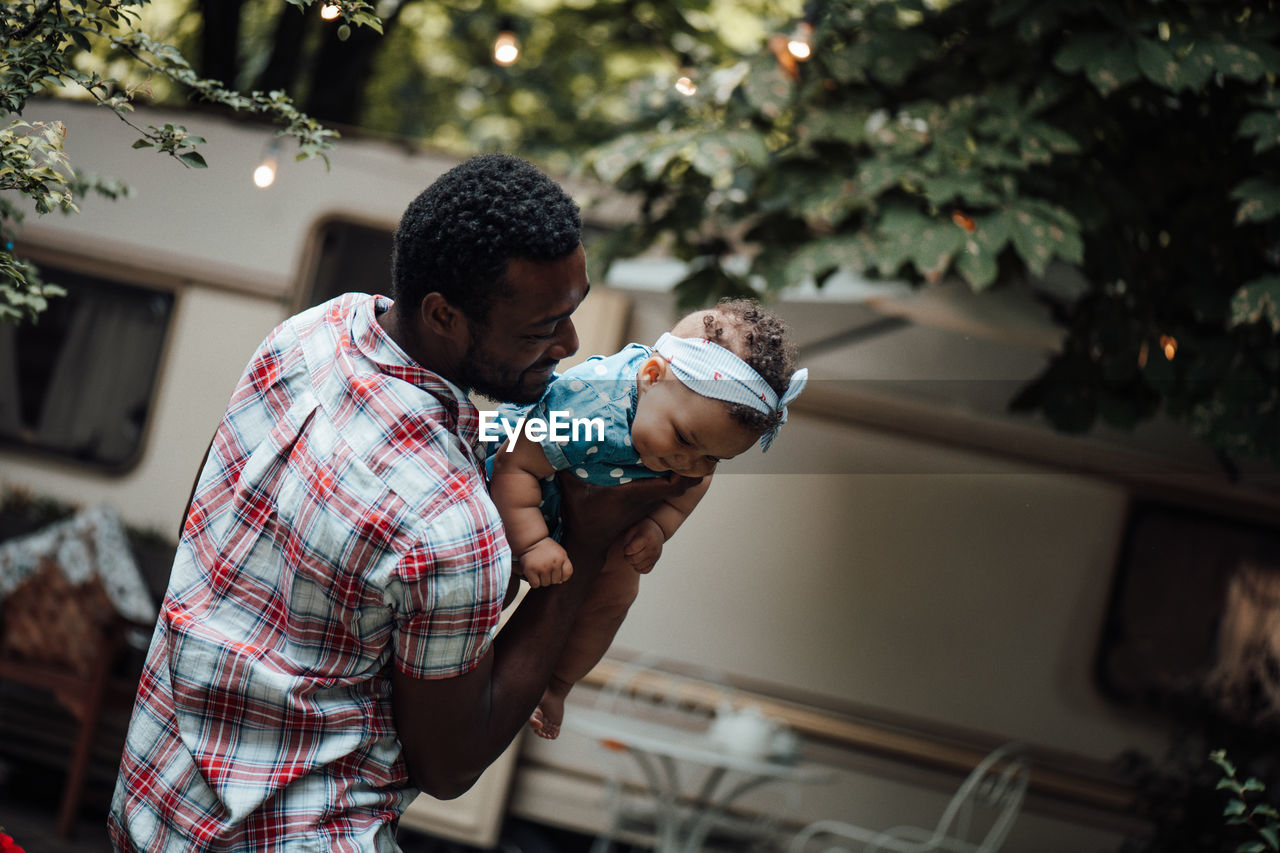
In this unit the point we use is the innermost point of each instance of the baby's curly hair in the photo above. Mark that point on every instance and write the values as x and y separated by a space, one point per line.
754 334
457 236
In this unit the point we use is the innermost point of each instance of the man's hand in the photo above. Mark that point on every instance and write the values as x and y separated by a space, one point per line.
642 545
545 563
597 515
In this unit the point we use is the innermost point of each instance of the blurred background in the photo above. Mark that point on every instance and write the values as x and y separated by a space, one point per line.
1021 529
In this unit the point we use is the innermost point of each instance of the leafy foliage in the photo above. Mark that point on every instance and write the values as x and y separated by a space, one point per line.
1135 141
1181 798
41 45
1243 808
433 78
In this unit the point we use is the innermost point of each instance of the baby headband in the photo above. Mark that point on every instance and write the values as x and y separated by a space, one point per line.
713 371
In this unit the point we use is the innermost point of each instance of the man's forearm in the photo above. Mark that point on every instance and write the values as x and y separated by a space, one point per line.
452 729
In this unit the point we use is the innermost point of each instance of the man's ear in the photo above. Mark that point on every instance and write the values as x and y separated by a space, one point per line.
440 318
653 370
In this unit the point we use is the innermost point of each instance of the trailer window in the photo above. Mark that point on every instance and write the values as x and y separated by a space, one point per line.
79 381
353 258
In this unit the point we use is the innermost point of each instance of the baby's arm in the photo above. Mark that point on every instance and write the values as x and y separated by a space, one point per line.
516 490
642 544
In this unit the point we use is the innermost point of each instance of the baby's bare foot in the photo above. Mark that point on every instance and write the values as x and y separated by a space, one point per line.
549 714
542 726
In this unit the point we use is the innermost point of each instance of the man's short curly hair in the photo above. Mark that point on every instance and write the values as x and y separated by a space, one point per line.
457 236
757 336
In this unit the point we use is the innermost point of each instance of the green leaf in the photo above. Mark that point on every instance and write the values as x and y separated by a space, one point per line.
614 160
1255 301
1106 60
1260 200
829 201
877 175
143 143
849 127
904 235
1265 126
193 159
1271 835
898 53
1234 807
81 40
656 159
1157 64
1056 140
847 66
815 258
1041 232
1195 66
1237 60
965 188
367 19
978 263
768 90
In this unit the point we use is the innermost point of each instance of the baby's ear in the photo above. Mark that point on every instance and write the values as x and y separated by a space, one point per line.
653 370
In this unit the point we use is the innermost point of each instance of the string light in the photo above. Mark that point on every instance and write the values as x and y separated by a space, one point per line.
799 44
506 47
685 83
1170 346
780 45
265 173
330 11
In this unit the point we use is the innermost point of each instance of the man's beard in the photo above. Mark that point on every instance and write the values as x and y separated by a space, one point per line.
481 375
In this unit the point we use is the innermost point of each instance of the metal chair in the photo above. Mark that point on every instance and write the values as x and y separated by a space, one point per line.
642 689
986 805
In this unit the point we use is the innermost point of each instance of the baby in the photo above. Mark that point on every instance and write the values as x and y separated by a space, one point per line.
706 391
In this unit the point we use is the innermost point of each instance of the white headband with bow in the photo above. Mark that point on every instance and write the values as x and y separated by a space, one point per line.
713 371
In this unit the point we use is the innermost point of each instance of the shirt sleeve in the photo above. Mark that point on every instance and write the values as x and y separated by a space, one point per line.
447 592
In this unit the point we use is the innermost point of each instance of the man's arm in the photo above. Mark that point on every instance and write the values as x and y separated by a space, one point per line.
672 512
453 728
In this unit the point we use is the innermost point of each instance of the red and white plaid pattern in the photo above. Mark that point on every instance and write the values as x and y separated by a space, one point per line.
340 526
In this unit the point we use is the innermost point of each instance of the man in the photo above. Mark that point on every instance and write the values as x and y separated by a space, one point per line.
328 638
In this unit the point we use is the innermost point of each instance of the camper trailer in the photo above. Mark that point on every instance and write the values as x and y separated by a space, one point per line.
913 593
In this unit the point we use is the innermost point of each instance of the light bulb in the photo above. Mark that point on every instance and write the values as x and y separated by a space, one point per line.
506 48
686 86
1170 346
798 45
265 175
330 11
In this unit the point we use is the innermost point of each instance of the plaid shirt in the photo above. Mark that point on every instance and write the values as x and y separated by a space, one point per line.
340 525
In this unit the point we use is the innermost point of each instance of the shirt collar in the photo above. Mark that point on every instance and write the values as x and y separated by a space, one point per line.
368 336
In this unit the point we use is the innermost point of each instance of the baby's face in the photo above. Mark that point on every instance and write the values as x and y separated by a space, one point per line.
676 429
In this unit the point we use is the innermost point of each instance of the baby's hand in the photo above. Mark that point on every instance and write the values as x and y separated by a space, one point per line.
642 545
545 563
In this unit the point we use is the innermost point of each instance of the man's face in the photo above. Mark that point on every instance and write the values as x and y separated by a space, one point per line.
511 356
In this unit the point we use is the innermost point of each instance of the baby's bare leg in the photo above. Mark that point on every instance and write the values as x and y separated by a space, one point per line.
598 621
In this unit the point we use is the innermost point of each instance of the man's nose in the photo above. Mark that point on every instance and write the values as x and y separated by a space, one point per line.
566 342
